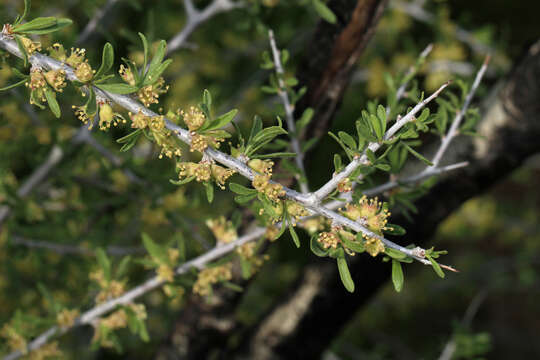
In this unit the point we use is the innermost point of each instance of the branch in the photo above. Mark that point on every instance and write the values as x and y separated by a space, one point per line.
417 12
92 25
73 249
196 18
331 185
291 126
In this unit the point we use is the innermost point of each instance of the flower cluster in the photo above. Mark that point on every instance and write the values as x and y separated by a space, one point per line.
194 118
76 60
329 239
204 171
222 229
15 340
165 271
37 86
345 185
116 320
126 75
374 215
56 79
315 224
109 289
162 136
66 318
295 210
108 117
29 45
273 191
209 276
200 142
149 94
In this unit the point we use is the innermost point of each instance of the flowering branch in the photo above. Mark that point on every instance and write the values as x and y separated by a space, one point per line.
331 185
289 110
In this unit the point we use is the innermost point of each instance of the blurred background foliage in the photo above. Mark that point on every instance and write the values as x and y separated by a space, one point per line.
88 202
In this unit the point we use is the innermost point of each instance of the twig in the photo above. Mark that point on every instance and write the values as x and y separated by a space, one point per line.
417 12
196 18
73 249
331 185
453 131
91 26
289 117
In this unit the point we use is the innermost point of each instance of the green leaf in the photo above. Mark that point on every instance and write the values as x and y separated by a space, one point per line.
107 60
118 88
156 73
91 104
348 140
35 24
242 190
233 286
25 11
22 49
219 122
344 274
256 127
436 266
397 275
145 49
60 23
207 99
274 155
51 100
395 254
381 114
157 252
305 119
123 266
294 236
182 182
356 246
242 199
129 137
377 126
209 187
394 229
155 64
324 12
104 263
418 155
316 247
338 163
22 82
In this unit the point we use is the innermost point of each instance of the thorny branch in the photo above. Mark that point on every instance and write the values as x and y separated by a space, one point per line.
310 201
289 110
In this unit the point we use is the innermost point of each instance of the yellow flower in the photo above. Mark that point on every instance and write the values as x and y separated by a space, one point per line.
56 79
126 75
329 240
66 318
29 45
222 229
76 57
194 118
84 72
149 94
208 277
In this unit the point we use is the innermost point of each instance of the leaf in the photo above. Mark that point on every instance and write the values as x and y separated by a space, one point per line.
316 248
381 114
377 126
145 49
156 73
25 11
324 12
394 229
294 236
107 60
22 82
344 274
35 24
182 182
242 190
91 104
418 155
129 136
118 88
60 23
242 199
104 263
157 252
274 155
356 246
255 127
209 187
123 266
436 266
397 275
233 286
305 119
22 49
156 62
51 100
347 139
207 99
219 122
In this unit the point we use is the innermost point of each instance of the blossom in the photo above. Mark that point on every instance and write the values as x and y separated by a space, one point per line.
194 118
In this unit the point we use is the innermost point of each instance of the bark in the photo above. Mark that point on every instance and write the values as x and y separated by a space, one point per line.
331 56
303 325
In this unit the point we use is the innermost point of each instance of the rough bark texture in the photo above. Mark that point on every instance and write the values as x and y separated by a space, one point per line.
331 56
302 326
